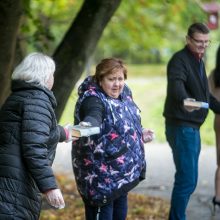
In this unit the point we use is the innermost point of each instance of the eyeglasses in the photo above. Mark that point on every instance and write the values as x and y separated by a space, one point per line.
201 42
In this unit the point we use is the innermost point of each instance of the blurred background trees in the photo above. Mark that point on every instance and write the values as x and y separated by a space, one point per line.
79 33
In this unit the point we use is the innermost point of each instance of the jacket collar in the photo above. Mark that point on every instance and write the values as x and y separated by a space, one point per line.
19 85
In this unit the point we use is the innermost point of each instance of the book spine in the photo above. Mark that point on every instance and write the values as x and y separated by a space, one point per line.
204 105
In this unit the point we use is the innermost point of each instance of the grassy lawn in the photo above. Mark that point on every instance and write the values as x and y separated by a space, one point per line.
148 84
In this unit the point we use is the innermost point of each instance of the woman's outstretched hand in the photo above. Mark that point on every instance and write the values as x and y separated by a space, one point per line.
147 135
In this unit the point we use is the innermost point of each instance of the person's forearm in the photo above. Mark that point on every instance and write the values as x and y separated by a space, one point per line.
92 111
214 104
94 121
178 90
63 135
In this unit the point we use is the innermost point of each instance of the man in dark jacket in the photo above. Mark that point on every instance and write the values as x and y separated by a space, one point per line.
187 79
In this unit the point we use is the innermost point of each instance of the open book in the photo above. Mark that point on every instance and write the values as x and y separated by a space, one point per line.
84 131
194 103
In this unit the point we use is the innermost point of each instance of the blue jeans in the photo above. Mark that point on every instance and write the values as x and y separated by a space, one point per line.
185 144
116 210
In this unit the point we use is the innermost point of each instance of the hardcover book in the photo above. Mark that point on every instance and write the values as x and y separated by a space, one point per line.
193 103
84 131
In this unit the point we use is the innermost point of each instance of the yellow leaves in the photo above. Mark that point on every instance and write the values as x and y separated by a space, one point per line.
147 208
140 207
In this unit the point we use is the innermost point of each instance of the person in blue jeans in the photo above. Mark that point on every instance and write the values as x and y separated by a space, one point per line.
187 80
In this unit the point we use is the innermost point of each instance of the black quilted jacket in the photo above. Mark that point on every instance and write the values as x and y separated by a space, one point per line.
28 137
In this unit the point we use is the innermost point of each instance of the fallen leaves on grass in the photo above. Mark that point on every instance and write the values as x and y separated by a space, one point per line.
140 207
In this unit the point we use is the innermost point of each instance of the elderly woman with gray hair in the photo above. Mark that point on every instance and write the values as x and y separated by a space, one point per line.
28 138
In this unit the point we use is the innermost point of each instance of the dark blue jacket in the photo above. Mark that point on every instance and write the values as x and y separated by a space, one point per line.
28 137
112 162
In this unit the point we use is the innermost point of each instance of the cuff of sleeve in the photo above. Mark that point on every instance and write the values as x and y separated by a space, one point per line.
67 133
92 120
63 136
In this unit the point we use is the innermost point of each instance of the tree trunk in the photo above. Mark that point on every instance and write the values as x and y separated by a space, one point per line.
78 45
10 15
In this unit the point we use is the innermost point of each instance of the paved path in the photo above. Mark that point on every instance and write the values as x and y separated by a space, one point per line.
160 177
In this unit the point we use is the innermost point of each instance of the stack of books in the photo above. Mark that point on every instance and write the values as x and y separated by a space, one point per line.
196 104
84 131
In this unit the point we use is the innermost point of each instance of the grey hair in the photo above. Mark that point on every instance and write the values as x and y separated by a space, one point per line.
35 68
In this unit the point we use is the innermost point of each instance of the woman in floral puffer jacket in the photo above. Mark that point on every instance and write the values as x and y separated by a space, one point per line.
108 165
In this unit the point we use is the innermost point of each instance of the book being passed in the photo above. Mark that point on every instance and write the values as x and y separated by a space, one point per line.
84 131
194 103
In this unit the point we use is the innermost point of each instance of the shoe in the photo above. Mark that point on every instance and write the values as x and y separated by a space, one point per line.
215 203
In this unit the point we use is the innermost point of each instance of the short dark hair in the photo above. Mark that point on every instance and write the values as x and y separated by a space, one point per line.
197 28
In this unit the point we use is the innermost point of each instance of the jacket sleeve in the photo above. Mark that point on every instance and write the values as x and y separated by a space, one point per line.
62 133
177 76
35 131
92 110
214 104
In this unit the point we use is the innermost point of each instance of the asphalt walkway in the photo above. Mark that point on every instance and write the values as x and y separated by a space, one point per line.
160 174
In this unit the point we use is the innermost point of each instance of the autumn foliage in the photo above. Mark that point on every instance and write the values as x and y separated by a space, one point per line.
140 207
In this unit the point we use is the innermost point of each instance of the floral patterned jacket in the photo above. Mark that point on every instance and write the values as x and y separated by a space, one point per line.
112 162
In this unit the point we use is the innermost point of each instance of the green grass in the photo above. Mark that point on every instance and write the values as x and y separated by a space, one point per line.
148 84
147 71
